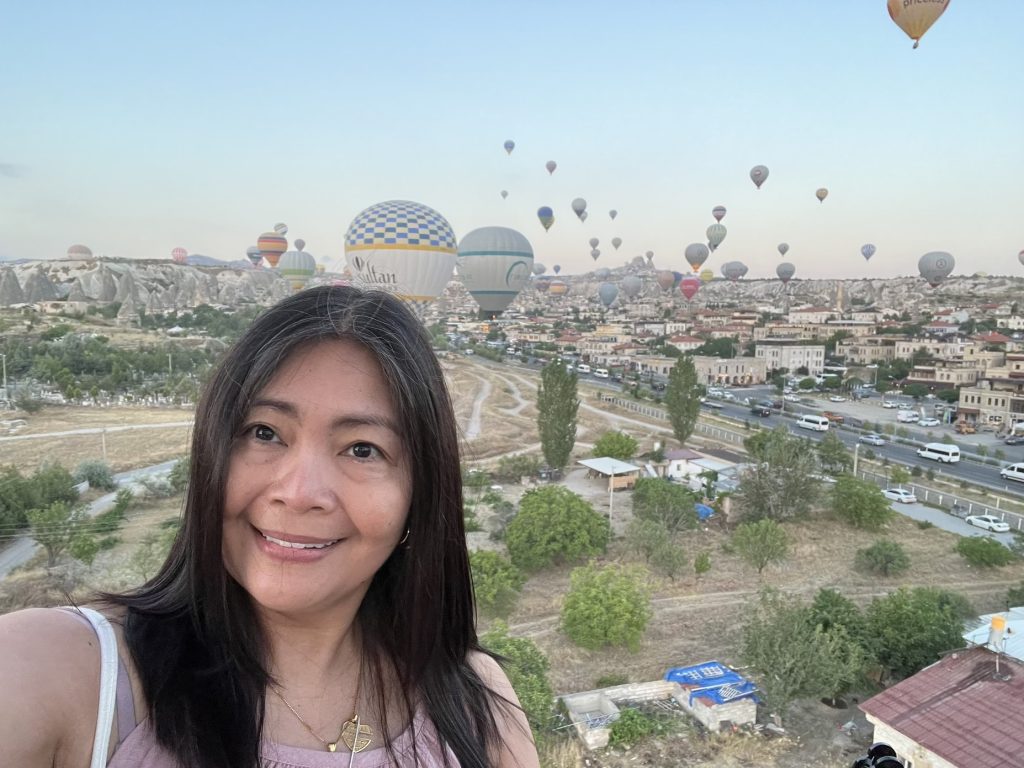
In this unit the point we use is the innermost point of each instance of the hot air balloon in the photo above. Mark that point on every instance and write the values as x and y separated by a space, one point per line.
758 174
935 267
546 217
665 280
689 286
579 206
494 264
551 165
821 194
649 255
558 288
402 247
603 273
613 213
1020 257
539 269
297 267
917 17
321 269
706 275
716 234
734 270
718 212
179 255
300 244
583 216
281 228
616 242
594 242
542 285
785 271
79 252
696 254
632 285
594 254
504 194
557 268
252 253
509 146
867 251
607 293
783 248
272 245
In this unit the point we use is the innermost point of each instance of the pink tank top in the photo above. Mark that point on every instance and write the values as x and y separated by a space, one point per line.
137 746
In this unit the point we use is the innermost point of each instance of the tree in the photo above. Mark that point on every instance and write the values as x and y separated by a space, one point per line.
644 536
554 525
833 454
512 469
606 606
557 405
984 553
724 348
832 609
701 564
898 476
97 473
860 503
908 629
527 670
760 543
885 557
496 582
56 527
1015 596
672 505
807 384
178 477
682 398
916 391
668 558
616 445
794 655
781 482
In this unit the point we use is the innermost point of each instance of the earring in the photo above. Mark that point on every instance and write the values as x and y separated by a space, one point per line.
404 538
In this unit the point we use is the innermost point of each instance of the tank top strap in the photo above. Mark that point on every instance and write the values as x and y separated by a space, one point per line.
124 706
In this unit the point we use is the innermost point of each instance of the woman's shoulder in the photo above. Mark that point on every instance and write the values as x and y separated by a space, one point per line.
518 748
49 672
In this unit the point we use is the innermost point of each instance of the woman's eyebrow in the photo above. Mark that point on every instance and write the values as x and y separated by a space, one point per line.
342 422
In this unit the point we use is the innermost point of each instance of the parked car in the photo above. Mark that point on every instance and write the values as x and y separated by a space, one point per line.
1014 440
929 422
872 438
837 399
890 404
791 398
988 522
900 494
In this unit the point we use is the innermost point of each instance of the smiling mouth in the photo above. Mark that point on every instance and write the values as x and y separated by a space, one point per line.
295 545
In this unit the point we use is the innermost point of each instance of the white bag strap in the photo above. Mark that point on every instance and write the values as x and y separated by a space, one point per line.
108 686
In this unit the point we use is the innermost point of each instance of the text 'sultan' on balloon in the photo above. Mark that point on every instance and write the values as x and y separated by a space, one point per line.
403 247
494 264
915 17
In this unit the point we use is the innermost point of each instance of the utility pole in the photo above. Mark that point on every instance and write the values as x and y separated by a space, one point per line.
856 454
170 367
2 355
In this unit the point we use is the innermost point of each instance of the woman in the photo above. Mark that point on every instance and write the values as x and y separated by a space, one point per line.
318 597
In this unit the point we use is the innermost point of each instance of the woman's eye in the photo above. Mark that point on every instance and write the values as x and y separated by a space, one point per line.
263 433
364 451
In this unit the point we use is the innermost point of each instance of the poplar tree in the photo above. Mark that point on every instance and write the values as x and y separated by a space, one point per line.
682 398
557 405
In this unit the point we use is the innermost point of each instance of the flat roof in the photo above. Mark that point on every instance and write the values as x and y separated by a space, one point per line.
608 466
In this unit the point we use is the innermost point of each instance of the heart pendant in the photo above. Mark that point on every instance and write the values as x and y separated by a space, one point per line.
356 735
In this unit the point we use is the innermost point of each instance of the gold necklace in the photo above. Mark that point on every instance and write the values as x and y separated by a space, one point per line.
354 733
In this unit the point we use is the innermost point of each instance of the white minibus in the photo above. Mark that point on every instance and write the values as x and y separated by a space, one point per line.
601 373
810 421
947 453
583 368
1013 472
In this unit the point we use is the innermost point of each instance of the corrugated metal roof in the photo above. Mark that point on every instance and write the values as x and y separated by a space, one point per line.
960 709
1013 638
608 466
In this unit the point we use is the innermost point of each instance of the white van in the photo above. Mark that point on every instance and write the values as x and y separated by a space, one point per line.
1013 472
601 373
810 421
908 416
582 368
947 453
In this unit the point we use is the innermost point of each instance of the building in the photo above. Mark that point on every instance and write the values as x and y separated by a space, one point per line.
791 355
811 315
685 343
997 400
734 370
964 711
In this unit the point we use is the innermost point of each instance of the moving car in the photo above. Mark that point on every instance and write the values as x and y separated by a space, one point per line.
900 494
760 409
1013 472
836 418
872 438
988 522
947 453
929 422
1014 440
837 399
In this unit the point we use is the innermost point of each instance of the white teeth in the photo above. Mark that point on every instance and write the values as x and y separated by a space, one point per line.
293 545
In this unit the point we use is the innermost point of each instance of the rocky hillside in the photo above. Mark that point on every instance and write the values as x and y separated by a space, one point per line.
153 286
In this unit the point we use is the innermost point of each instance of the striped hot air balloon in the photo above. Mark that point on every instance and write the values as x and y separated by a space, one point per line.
297 267
271 246
179 255
495 264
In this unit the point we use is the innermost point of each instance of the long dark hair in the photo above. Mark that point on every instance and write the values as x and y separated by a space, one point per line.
192 632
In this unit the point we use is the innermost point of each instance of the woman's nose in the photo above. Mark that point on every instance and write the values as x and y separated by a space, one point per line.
304 481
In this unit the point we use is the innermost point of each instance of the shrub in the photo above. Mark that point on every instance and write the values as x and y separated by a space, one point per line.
982 552
496 582
555 525
885 557
606 606
512 469
611 680
916 471
924 525
1015 596
761 543
668 558
97 473
178 477
701 564
632 726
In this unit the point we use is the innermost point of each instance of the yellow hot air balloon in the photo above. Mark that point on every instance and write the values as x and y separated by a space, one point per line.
706 276
915 17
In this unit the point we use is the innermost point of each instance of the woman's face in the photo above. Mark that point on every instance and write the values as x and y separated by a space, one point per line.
318 486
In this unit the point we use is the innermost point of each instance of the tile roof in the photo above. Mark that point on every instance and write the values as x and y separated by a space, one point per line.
960 710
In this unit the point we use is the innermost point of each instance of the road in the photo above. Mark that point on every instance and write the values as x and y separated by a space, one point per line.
948 522
23 548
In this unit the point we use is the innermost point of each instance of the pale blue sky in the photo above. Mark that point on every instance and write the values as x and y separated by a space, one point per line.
134 129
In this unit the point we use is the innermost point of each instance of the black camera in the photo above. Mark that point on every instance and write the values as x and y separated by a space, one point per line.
879 756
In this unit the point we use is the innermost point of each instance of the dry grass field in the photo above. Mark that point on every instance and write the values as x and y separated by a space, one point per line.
693 620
